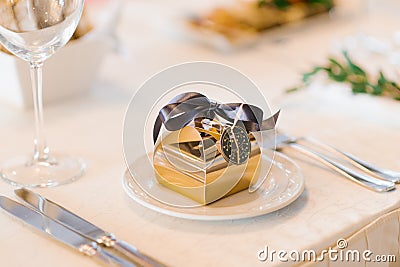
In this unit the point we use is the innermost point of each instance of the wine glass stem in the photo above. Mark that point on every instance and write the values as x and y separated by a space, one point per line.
41 151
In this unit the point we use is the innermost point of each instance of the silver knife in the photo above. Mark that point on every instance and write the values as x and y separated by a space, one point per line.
85 228
61 233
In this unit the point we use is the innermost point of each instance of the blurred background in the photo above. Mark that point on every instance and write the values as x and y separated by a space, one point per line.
122 43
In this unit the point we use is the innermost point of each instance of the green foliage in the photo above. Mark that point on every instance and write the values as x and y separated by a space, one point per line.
283 4
346 71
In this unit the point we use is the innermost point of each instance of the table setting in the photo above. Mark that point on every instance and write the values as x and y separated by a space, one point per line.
218 133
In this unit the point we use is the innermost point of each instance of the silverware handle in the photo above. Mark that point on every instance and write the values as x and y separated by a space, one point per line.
109 259
135 255
362 179
385 174
95 252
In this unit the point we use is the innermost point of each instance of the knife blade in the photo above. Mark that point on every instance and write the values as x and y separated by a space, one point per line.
61 233
85 228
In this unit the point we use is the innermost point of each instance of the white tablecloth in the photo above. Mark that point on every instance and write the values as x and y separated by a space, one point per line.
330 208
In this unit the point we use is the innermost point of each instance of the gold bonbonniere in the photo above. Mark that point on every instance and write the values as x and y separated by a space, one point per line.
193 161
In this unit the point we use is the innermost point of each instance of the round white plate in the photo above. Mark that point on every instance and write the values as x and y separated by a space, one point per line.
283 185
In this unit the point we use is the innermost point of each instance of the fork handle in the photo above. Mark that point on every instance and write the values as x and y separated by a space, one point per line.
94 251
111 260
135 255
362 179
385 174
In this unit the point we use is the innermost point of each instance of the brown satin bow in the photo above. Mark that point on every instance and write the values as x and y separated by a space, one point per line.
185 107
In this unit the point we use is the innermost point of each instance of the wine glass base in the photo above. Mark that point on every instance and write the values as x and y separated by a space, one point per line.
60 170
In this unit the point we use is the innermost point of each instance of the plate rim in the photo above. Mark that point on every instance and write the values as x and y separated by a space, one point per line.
205 217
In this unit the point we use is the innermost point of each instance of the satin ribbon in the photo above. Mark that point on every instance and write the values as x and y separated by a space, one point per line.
182 109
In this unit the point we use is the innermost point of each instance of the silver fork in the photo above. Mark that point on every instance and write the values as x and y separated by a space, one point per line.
368 181
363 165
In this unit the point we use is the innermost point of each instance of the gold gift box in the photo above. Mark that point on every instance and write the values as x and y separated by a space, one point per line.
189 161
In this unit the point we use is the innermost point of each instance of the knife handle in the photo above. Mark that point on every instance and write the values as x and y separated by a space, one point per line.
95 252
135 255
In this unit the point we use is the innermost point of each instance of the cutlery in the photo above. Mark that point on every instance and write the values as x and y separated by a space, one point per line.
384 174
61 233
85 228
379 185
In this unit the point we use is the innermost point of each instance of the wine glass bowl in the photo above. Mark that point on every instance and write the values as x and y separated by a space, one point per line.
34 30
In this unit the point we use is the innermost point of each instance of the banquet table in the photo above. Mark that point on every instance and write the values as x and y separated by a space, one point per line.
330 208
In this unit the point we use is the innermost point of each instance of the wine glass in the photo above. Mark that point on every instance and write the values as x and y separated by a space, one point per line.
34 30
